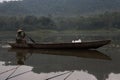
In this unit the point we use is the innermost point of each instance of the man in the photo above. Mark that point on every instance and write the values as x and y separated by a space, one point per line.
20 37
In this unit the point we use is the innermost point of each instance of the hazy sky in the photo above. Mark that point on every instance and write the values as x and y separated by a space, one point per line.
9 0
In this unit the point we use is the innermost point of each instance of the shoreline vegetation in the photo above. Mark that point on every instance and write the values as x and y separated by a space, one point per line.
64 36
63 29
44 36
105 21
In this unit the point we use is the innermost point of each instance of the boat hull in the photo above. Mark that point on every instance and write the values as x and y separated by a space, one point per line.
82 45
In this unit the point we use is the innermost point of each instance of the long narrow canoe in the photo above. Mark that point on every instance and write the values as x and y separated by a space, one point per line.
81 45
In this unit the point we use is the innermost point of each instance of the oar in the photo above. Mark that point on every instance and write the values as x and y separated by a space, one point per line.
31 39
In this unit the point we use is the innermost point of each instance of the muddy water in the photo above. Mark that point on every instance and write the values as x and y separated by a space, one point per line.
21 64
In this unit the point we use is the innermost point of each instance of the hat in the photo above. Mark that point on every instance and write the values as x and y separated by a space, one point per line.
19 30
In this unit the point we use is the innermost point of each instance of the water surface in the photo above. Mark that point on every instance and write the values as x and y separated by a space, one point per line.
22 64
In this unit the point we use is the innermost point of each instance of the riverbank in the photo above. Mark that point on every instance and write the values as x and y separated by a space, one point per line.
64 36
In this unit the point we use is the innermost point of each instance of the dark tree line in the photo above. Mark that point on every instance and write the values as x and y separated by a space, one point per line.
101 21
27 22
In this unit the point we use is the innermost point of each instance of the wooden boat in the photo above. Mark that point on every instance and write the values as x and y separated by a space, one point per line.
81 45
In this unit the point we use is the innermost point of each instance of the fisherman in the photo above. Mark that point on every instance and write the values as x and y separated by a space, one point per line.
20 37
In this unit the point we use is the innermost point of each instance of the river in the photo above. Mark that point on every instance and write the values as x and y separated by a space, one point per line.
25 64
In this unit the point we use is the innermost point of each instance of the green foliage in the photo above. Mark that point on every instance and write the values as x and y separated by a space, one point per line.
26 22
101 21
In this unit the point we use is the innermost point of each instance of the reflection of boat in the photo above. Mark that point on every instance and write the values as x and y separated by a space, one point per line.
82 45
50 63
101 69
78 53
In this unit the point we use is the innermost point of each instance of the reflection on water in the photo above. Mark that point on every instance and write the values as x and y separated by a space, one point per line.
23 54
51 64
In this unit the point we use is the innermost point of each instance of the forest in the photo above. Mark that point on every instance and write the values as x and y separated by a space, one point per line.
107 20
58 7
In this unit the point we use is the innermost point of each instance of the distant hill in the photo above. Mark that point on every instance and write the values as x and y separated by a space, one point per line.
58 7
